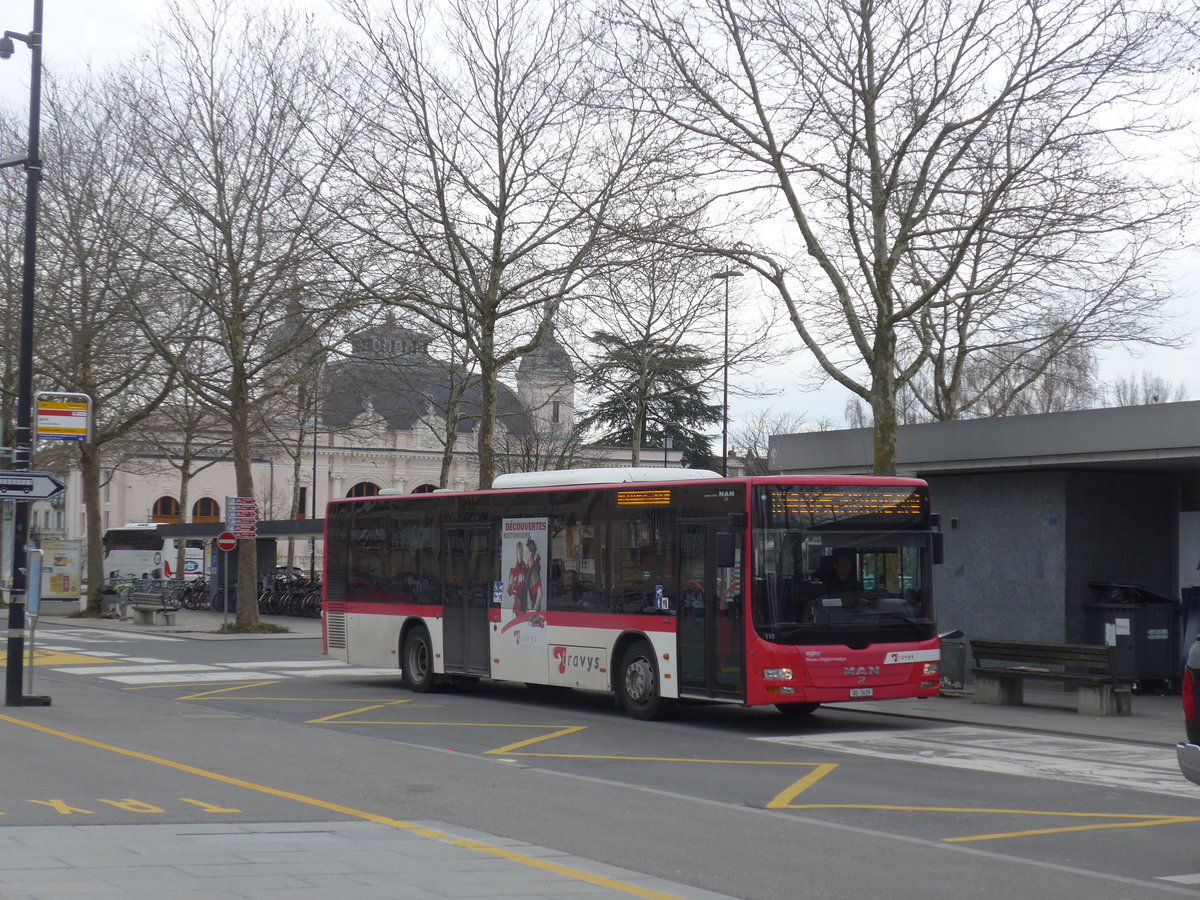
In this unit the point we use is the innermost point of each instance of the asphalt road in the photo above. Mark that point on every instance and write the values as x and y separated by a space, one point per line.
154 728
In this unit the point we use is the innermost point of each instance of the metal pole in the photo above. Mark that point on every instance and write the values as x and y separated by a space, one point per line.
23 433
725 392
312 541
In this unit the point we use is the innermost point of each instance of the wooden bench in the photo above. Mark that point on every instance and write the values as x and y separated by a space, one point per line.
149 608
1091 669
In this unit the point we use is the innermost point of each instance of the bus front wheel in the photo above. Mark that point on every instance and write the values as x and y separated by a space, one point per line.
637 683
416 661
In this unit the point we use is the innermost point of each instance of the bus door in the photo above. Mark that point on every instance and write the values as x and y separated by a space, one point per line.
466 581
710 648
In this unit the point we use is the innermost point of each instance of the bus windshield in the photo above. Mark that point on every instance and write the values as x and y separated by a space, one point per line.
839 565
813 587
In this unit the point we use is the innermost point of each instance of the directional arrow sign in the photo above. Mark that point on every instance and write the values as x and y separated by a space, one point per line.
29 485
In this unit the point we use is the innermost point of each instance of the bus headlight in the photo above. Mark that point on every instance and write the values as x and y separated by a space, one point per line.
777 674
930 668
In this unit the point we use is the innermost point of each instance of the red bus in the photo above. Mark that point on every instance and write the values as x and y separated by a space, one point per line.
658 586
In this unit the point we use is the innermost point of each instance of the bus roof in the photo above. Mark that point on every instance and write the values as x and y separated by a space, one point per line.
596 475
601 477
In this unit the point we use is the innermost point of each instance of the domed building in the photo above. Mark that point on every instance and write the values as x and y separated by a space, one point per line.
390 402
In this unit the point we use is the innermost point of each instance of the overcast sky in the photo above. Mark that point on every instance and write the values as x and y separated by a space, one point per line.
101 32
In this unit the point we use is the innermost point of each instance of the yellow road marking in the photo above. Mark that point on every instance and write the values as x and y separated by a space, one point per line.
783 800
562 732
500 852
353 711
1127 820
59 658
227 689
1158 820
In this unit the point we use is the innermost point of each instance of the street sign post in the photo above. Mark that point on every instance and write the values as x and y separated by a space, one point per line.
241 517
22 485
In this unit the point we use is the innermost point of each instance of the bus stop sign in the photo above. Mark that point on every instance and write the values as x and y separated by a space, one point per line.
21 485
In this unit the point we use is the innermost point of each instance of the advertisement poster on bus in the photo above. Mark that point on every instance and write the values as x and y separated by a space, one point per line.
523 549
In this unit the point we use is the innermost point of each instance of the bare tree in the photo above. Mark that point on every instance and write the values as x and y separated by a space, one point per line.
188 437
884 162
1134 390
751 438
12 203
89 340
227 99
484 172
537 451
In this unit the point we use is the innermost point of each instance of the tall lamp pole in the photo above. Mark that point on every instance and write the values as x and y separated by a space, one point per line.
23 433
312 541
725 276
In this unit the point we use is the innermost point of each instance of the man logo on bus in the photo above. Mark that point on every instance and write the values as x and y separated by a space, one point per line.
861 670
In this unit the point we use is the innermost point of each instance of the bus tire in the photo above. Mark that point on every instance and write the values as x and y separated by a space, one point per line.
797 710
637 683
416 660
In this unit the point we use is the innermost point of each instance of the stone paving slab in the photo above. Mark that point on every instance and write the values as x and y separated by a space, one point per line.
346 860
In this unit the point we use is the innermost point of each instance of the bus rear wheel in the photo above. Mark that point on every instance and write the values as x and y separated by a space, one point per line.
637 683
416 661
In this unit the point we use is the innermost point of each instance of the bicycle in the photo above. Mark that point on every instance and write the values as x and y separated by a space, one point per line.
195 594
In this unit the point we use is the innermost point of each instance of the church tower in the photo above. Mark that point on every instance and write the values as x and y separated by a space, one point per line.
546 387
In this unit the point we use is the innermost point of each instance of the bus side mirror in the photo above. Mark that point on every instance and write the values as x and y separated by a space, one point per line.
725 548
938 549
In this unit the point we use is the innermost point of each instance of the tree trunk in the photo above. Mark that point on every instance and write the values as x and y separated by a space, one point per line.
184 484
883 401
247 574
89 467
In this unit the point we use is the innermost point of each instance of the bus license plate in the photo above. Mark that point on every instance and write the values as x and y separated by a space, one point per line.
860 693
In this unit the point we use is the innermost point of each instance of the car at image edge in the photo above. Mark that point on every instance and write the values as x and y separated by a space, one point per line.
1188 752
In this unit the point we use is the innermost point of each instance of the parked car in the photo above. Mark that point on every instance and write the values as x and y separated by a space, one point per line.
1188 752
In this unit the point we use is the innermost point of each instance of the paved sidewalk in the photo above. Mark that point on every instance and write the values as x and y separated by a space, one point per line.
317 860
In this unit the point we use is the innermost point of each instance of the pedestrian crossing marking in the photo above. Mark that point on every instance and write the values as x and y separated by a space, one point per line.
175 678
141 669
64 656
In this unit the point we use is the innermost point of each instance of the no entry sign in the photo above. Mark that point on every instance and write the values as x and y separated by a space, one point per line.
226 541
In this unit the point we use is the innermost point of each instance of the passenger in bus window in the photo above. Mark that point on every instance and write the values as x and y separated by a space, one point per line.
836 572
574 590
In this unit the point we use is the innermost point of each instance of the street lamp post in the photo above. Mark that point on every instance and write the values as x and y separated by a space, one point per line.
23 432
725 276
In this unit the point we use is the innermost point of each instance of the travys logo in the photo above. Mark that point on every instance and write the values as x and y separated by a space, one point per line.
577 658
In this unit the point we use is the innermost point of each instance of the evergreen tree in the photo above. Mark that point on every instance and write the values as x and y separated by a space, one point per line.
653 390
